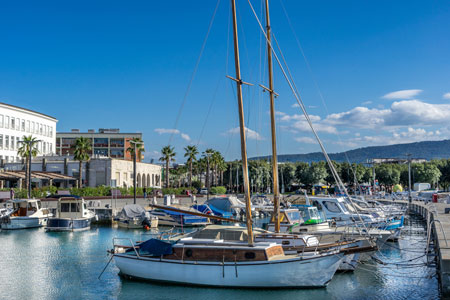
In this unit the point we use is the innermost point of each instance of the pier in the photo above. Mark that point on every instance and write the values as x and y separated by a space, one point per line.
437 216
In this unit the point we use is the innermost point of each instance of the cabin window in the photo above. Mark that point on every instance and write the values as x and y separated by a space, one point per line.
318 205
65 207
294 215
285 242
74 207
250 255
331 206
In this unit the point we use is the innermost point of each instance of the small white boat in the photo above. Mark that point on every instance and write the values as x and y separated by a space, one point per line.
71 215
134 216
24 213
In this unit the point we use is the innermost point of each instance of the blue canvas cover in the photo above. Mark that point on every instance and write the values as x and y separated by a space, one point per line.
154 247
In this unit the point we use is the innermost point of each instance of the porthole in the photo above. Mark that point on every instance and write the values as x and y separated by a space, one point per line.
250 255
188 252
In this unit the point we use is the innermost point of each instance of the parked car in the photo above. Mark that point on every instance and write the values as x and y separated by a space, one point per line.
203 191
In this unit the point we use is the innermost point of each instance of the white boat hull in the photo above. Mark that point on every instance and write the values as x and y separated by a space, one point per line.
24 223
295 272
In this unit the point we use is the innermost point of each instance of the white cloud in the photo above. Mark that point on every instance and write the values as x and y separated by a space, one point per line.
401 113
295 105
306 140
167 130
250 134
403 94
185 137
366 102
446 96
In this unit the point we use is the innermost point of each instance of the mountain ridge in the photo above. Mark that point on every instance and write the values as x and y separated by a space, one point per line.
426 149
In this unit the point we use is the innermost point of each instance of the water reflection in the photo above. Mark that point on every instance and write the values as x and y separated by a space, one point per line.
37 265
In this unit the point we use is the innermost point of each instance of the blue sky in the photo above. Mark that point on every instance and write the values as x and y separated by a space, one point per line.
383 68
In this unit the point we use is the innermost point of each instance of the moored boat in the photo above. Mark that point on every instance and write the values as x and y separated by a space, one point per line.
71 215
23 214
134 216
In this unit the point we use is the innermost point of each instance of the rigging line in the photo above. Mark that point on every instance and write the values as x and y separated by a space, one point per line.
211 22
308 66
303 108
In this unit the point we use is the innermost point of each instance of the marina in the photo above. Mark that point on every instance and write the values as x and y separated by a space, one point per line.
48 277
88 214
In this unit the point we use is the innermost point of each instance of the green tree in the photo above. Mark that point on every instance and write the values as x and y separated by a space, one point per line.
24 151
207 154
168 155
387 175
82 152
301 172
191 153
426 172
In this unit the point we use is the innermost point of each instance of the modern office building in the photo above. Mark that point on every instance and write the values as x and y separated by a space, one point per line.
16 122
105 143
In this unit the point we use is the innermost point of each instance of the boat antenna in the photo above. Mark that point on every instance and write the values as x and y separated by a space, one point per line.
272 94
239 82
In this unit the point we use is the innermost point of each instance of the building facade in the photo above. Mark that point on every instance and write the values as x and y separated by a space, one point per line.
17 122
98 171
105 143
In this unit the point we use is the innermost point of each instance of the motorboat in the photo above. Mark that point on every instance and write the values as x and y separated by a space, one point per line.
134 216
23 214
72 214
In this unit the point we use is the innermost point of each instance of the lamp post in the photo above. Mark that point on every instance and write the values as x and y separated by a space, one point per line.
30 144
409 179
134 143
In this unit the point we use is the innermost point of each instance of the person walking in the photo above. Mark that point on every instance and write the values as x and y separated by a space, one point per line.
145 192
11 194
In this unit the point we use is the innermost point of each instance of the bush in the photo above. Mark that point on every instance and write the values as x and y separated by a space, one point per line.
218 190
197 184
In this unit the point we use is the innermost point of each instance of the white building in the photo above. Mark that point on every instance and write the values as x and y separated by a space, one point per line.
16 122
98 171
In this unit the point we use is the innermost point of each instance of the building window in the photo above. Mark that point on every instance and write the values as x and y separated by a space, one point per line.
23 125
101 142
1 121
119 143
12 143
32 127
17 142
6 142
28 127
40 129
51 131
117 153
1 141
13 122
102 152
17 124
44 148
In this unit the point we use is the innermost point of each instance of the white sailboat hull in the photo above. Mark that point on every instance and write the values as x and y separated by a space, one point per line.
295 272
24 223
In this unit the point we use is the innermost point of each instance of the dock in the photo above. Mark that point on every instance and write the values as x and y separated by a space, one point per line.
437 215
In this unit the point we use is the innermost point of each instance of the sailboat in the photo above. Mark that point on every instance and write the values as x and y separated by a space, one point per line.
213 262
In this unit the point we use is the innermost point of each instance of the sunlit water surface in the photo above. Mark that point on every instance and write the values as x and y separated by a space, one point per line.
39 265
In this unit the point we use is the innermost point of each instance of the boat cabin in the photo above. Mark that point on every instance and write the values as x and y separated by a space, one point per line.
72 208
311 214
24 207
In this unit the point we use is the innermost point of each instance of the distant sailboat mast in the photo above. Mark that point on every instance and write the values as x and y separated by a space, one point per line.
239 83
276 192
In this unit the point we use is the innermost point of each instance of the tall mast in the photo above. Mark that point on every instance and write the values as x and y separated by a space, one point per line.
276 193
239 83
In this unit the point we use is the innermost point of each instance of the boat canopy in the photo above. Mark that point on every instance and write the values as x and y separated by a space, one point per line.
225 203
132 211
153 247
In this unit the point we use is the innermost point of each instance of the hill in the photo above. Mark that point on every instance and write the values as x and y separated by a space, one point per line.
427 150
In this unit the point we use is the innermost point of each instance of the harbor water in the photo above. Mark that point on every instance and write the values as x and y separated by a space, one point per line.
39 265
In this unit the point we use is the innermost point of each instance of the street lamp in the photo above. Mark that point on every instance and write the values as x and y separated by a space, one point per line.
30 149
134 143
409 178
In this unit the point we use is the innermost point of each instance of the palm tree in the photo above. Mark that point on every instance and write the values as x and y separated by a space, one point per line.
82 150
191 152
207 154
24 151
167 156
139 147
